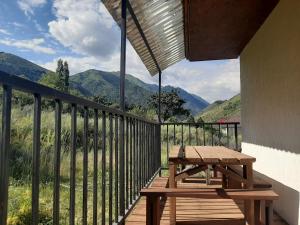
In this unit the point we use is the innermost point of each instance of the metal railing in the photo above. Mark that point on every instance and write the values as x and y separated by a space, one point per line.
129 150
213 134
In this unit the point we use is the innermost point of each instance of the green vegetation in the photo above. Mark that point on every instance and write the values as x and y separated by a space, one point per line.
13 64
171 105
229 110
93 83
20 164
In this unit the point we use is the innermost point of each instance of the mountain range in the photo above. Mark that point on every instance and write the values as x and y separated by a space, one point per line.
96 82
226 111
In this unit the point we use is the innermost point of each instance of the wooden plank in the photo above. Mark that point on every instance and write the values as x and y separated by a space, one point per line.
172 184
192 156
176 152
195 211
189 172
210 193
221 155
209 154
258 181
231 174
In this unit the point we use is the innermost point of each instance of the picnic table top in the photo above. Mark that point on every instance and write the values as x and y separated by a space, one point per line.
208 155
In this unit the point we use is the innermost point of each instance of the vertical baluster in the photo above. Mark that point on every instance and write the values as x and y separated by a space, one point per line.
182 135
227 135
168 143
110 198
219 134
116 168
148 152
144 154
103 183
131 159
159 147
57 153
122 167
73 163
236 136
95 177
127 165
196 133
36 159
4 153
134 163
85 167
204 140
189 134
140 154
174 135
212 134
153 149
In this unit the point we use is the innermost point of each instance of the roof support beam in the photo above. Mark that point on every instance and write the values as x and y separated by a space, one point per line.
130 9
122 106
123 56
159 96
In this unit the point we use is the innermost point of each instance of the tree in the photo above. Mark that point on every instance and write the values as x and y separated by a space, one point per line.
66 74
102 100
190 119
52 80
171 105
60 70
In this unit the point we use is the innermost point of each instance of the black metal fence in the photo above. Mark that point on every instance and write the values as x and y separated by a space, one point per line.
129 150
213 134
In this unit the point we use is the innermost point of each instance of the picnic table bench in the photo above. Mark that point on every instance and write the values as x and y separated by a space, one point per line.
225 161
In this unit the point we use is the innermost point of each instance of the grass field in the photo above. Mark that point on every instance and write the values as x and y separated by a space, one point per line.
20 163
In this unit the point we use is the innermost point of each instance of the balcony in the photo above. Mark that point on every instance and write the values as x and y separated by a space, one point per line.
120 155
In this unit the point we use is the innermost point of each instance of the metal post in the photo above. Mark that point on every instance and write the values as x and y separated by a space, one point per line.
123 56
236 136
159 96
4 152
122 104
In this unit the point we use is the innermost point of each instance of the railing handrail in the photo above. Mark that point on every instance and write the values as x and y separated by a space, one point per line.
202 123
31 87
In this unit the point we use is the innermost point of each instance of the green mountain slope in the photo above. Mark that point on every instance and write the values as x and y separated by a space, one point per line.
229 110
16 65
96 82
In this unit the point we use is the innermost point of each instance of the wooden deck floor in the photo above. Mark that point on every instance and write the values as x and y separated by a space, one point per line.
195 211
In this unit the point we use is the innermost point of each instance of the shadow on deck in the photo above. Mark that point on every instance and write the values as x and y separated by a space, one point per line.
191 211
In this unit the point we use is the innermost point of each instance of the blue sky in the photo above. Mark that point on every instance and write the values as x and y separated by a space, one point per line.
84 34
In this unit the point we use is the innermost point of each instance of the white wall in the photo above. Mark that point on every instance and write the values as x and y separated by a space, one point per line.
270 96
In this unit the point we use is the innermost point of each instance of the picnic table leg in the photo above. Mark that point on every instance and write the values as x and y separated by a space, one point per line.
172 184
257 212
249 204
270 213
153 210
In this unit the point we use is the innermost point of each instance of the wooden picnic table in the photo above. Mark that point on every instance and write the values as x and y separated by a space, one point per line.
217 156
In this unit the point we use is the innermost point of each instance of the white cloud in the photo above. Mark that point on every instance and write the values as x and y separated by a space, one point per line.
27 6
35 45
210 80
85 27
79 64
16 24
3 31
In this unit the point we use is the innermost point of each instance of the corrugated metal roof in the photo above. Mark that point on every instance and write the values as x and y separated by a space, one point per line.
162 24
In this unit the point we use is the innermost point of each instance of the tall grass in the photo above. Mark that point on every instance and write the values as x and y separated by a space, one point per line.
20 162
